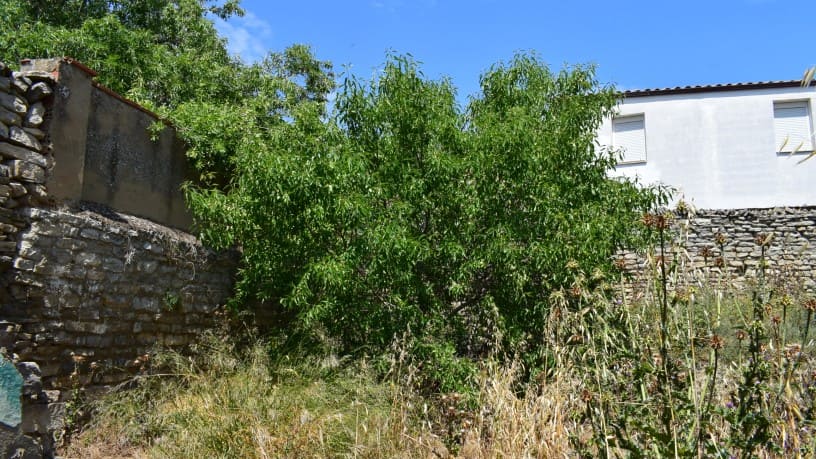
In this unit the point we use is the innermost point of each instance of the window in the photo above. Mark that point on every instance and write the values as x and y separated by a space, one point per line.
629 134
792 126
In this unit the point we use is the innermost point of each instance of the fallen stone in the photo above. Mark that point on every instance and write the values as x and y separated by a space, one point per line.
13 103
24 138
23 154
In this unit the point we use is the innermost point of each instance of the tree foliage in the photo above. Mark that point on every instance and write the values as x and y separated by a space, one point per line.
167 55
399 213
405 212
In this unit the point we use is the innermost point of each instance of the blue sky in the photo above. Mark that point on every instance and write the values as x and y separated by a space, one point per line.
635 44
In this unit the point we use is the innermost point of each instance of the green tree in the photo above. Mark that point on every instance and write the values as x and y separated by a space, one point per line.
398 214
404 212
167 55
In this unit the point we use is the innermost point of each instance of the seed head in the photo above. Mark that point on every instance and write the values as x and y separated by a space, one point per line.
786 300
720 239
662 221
682 207
620 263
716 342
792 350
763 239
810 304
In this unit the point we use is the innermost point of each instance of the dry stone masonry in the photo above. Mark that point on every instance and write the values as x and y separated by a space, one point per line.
726 242
87 290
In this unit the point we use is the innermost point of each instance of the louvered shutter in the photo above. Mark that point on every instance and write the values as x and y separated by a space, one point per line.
792 126
629 134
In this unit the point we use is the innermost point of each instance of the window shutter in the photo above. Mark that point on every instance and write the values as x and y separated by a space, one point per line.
792 126
629 134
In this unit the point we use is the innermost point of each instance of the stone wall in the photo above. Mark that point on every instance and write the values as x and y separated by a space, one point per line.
88 289
725 242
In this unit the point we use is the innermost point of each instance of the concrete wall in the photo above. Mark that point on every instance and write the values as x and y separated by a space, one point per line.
718 148
106 153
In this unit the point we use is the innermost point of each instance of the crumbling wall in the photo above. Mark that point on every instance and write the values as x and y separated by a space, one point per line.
87 288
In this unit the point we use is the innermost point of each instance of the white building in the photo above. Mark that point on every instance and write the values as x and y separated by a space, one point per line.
724 146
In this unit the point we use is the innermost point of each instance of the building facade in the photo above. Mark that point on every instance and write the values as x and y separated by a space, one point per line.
721 147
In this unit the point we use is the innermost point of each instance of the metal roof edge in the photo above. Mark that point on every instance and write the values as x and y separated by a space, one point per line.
714 88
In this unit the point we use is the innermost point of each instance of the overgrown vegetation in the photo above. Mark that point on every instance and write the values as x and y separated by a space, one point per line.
399 213
459 261
404 214
697 364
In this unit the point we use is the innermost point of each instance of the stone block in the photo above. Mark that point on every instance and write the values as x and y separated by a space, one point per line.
9 118
35 115
32 378
13 103
90 233
113 265
43 418
12 151
20 83
37 133
88 259
146 304
24 138
17 189
39 91
25 171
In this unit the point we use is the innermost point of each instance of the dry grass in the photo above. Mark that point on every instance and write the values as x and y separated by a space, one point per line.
222 404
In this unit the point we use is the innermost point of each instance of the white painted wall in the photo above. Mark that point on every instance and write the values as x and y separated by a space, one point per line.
718 148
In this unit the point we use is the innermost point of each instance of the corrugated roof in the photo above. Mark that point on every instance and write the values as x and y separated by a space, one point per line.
714 88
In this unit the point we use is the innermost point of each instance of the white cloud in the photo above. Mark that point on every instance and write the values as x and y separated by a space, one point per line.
246 36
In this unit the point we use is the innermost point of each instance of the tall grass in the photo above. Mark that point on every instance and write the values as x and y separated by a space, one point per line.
240 404
698 365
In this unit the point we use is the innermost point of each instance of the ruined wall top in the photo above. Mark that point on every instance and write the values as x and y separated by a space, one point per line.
102 149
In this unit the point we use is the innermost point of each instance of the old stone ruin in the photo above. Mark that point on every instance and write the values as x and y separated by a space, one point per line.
95 265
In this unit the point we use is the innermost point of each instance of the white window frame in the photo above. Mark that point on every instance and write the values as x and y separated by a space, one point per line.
618 141
784 145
